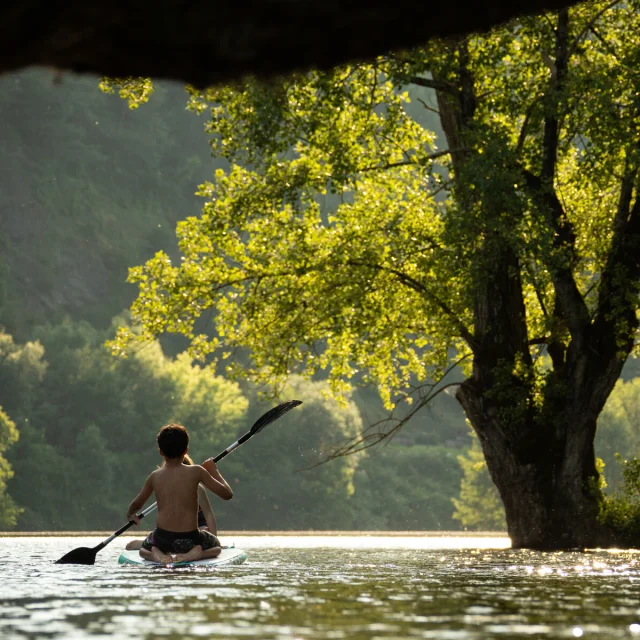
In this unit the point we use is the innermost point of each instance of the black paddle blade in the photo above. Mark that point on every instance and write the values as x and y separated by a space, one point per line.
81 555
273 414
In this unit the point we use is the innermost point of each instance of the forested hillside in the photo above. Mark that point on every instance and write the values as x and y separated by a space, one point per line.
89 187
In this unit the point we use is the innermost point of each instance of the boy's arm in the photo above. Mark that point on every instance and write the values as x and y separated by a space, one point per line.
213 480
205 505
139 500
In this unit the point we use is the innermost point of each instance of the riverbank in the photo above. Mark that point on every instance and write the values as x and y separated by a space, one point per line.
393 534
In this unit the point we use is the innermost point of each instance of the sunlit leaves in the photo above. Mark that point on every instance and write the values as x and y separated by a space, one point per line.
8 436
136 91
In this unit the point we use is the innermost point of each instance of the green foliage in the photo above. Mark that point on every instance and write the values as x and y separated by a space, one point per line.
135 91
22 369
334 280
479 506
619 428
406 488
88 429
621 510
9 511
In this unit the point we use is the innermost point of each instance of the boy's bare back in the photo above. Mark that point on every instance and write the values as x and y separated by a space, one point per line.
176 489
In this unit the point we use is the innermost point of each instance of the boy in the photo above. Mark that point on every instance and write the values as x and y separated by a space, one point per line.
176 489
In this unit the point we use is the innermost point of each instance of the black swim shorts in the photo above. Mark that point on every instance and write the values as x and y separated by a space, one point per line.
181 542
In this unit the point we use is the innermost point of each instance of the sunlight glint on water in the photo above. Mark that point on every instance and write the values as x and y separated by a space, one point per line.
324 587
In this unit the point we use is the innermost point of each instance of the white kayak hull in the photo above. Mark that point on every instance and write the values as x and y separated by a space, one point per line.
227 556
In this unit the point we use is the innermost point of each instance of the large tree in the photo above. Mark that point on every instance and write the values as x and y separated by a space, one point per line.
519 237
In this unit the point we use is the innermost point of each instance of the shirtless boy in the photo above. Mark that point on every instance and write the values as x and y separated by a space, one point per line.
176 489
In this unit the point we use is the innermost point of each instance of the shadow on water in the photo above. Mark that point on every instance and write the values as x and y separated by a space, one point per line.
324 587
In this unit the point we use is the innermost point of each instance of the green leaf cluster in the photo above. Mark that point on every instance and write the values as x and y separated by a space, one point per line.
479 506
135 91
354 291
9 511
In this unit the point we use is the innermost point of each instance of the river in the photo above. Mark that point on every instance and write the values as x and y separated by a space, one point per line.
323 587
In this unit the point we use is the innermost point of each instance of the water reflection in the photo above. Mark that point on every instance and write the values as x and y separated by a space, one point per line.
325 587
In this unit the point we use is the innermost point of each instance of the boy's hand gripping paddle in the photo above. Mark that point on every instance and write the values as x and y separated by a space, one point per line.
86 555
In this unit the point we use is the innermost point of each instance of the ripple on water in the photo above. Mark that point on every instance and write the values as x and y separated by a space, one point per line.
306 587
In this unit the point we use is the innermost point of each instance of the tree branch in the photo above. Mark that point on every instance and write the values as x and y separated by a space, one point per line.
589 26
538 293
431 83
558 77
402 163
570 303
523 130
373 434
417 286
427 107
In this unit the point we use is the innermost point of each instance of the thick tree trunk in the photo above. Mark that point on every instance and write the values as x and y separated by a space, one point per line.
545 469
544 486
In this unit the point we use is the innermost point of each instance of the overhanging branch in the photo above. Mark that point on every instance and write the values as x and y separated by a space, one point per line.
419 162
375 433
431 83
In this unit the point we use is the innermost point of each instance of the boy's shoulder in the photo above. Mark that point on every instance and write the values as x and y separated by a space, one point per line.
154 473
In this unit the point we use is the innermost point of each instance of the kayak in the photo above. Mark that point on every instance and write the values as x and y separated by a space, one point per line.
228 556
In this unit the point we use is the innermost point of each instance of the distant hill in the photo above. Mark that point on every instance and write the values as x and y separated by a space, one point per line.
88 188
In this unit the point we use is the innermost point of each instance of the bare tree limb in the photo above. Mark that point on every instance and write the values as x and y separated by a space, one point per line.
375 433
428 107
402 163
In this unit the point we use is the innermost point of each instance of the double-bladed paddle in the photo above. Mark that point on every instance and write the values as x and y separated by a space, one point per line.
86 555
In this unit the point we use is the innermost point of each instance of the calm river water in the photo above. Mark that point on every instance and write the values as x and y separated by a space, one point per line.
324 587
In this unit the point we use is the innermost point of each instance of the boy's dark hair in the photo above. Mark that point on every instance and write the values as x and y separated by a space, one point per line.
173 440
